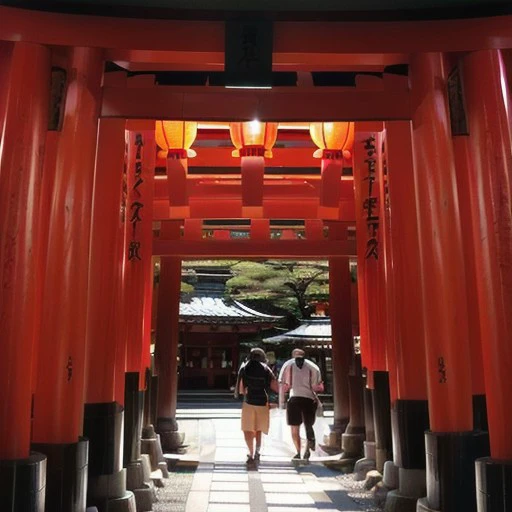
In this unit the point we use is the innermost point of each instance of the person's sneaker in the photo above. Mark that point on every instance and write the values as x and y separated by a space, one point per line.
250 460
307 454
257 456
296 457
311 445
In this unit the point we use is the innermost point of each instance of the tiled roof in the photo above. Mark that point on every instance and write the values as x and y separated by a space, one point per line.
313 330
209 310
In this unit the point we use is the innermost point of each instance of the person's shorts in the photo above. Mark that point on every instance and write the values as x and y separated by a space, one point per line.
301 410
255 418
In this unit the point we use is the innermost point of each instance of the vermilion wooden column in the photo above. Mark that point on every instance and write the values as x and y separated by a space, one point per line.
24 100
464 160
386 275
147 236
167 337
367 202
138 253
448 362
410 409
488 110
50 158
103 418
367 160
348 402
341 327
59 397
105 264
359 198
139 236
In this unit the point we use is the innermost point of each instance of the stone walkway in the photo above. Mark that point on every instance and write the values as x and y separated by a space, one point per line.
222 482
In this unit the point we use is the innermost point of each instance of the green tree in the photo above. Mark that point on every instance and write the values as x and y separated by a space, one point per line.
291 285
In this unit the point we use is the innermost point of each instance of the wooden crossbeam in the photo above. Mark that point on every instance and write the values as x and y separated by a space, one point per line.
284 104
296 249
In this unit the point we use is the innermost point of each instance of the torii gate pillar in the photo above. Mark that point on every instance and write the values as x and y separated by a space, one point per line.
24 100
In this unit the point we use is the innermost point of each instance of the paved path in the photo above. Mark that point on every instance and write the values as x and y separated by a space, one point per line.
223 483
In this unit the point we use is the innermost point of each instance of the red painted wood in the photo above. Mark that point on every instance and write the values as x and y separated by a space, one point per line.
193 230
464 160
314 229
148 268
50 158
387 282
59 397
260 229
167 335
177 169
25 69
282 104
107 235
488 104
340 311
331 169
306 41
287 248
221 157
373 349
408 312
364 332
441 249
138 255
252 170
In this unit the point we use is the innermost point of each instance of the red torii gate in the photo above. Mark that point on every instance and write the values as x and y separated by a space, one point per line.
439 159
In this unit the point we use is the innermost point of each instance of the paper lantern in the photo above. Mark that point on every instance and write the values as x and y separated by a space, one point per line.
175 138
334 140
253 138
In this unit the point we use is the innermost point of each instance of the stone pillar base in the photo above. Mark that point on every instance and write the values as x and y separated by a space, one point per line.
151 445
170 438
369 450
367 463
422 506
493 485
362 467
66 476
450 460
412 486
23 483
135 481
104 490
390 475
144 498
382 455
124 504
103 427
396 502
352 445
333 439
172 441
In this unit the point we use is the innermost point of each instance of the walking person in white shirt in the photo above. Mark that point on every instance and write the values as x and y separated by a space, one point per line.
303 379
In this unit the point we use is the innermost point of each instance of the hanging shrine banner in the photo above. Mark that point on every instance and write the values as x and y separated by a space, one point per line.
370 257
141 153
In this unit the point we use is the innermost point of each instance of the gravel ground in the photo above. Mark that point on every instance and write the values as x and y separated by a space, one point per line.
173 496
357 492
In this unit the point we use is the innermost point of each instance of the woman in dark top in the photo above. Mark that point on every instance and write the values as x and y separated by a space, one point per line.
255 380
